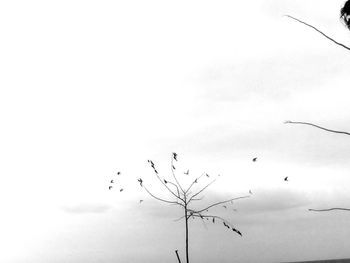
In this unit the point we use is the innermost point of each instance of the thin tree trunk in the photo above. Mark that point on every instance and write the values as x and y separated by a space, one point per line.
186 222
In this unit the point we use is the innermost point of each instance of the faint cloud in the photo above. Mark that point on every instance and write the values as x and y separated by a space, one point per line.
275 78
86 208
277 142
275 200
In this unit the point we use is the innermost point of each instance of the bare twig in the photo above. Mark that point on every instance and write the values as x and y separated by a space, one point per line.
173 173
319 31
319 127
160 199
178 258
177 196
194 181
219 203
205 187
329 209
177 188
328 130
198 199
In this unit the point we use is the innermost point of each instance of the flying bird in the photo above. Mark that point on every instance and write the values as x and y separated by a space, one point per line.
224 206
165 181
187 172
121 190
110 187
239 233
152 164
173 167
175 156
140 181
155 171
195 181
141 201
112 181
254 159
207 175
286 178
118 173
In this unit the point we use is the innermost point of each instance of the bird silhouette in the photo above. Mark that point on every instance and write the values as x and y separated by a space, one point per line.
224 206
187 172
165 181
175 156
286 178
207 175
118 173
195 181
140 181
110 187
141 201
155 171
173 167
121 190
152 164
112 181
239 233
255 159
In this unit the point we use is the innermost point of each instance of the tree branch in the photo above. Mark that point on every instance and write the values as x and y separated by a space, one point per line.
177 188
329 209
226 223
177 254
173 173
329 38
177 196
160 199
194 195
219 203
194 181
319 127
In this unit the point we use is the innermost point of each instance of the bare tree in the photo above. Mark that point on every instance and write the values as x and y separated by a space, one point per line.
183 197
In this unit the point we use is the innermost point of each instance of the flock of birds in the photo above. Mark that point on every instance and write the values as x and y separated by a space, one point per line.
112 184
165 181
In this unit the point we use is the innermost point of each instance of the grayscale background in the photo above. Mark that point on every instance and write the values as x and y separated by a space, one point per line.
89 88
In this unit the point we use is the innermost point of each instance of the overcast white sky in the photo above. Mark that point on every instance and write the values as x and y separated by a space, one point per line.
89 88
